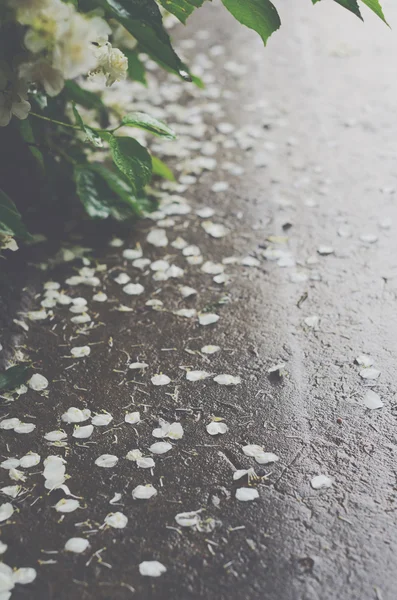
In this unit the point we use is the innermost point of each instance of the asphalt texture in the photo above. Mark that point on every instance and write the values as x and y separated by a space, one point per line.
324 92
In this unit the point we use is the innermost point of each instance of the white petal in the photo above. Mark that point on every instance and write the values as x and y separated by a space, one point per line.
215 428
38 382
246 494
100 297
11 490
325 250
160 380
24 575
151 568
80 351
122 278
160 447
197 375
250 261
133 289
25 428
144 492
10 463
187 291
187 313
133 253
312 321
158 238
77 545
138 365
55 436
102 419
225 379
30 460
264 458
321 481
67 505
6 511
8 424
175 431
210 349
364 360
76 415
145 463
372 400
83 432
116 520
106 460
212 268
215 230
115 498
188 519
369 373
132 418
252 450
208 318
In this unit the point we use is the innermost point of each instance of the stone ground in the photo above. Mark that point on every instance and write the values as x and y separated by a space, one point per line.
318 196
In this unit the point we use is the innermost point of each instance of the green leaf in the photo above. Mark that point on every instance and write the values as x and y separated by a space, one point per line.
91 134
10 218
351 5
87 99
136 69
142 18
148 123
375 6
161 169
182 9
14 376
260 15
119 186
132 159
103 193
92 192
26 131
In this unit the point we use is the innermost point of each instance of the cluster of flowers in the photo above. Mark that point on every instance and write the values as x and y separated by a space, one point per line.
59 44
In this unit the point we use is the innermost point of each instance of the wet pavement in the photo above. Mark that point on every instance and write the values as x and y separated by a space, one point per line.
312 121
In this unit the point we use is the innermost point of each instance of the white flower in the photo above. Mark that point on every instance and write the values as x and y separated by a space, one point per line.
13 97
111 62
44 73
27 10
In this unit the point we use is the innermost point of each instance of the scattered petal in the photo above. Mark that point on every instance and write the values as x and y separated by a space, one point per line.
132 418
67 505
38 382
116 520
151 568
77 545
214 428
133 289
321 481
160 447
225 379
197 375
106 460
208 318
372 400
246 494
160 380
144 492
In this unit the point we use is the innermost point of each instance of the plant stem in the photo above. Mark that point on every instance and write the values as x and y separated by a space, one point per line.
69 125
54 121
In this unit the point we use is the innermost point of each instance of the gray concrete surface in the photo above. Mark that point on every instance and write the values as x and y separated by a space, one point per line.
329 132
